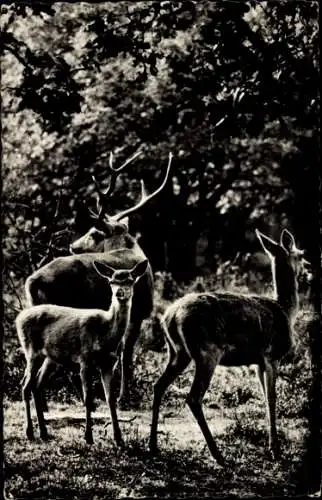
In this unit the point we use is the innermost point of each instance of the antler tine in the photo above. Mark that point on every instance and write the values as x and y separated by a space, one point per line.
145 196
129 160
99 204
110 160
114 172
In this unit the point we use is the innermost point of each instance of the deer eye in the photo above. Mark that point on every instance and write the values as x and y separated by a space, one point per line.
119 229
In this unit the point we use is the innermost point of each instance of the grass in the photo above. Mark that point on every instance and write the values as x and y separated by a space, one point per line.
66 467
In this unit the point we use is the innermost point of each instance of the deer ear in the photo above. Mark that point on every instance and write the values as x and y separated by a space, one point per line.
125 221
103 269
106 225
287 240
270 246
139 269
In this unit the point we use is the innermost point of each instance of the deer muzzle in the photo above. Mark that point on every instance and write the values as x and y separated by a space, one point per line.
124 293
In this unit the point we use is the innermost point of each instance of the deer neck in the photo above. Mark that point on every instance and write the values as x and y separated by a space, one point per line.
123 241
286 290
114 243
132 243
120 312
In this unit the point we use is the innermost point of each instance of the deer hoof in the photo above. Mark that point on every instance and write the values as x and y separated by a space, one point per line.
89 439
120 443
154 450
44 407
30 434
218 456
274 452
44 436
119 440
221 461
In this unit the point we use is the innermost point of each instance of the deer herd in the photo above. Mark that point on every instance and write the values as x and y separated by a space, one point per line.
86 309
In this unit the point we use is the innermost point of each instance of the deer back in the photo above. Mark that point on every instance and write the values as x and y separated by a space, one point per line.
242 327
65 334
72 281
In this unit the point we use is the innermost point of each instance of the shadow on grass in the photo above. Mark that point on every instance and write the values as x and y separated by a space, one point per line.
75 470
65 467
60 421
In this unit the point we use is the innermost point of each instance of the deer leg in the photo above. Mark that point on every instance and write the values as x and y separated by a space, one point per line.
27 386
260 373
38 393
205 366
108 380
43 398
77 385
86 378
26 395
126 362
176 364
267 376
44 404
270 387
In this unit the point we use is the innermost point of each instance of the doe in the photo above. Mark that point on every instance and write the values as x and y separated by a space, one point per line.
87 337
232 330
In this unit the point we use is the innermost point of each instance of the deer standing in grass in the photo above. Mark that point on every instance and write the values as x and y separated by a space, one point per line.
72 281
87 337
233 330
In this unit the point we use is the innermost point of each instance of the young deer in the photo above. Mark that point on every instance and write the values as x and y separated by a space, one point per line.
232 330
87 337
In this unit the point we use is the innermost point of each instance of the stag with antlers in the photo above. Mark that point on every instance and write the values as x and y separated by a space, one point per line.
72 281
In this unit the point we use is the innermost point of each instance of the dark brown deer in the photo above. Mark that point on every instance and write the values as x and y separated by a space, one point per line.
232 330
72 281
86 337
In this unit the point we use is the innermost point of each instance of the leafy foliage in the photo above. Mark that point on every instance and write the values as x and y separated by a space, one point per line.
230 89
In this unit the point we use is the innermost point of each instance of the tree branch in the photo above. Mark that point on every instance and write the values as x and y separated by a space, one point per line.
16 54
11 307
14 291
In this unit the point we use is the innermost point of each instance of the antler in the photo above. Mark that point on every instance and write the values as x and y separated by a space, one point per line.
145 196
103 196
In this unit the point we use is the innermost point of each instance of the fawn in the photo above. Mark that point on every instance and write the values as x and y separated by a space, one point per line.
87 337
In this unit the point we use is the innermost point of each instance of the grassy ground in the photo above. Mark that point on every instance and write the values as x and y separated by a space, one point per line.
65 467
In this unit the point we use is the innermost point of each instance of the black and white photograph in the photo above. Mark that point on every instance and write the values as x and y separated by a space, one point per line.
161 261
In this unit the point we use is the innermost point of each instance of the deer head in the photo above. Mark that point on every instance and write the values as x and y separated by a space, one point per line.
288 269
110 232
285 253
121 280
